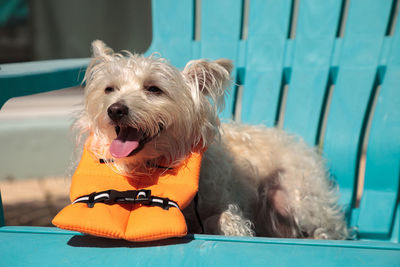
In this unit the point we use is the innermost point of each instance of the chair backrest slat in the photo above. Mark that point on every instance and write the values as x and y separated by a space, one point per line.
173 31
381 184
268 27
221 24
358 64
309 76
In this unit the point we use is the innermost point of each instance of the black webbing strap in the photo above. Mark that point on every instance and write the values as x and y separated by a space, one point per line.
111 197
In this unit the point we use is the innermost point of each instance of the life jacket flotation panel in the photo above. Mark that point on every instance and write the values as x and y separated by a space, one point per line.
133 222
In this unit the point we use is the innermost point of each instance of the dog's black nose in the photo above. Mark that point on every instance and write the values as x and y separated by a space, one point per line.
117 111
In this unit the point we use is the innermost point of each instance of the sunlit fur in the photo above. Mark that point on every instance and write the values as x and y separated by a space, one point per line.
254 180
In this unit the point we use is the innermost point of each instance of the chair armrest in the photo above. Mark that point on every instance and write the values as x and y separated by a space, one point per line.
18 79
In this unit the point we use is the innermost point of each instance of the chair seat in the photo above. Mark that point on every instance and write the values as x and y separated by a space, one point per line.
46 246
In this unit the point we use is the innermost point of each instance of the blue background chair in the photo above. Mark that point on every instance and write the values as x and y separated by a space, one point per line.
326 70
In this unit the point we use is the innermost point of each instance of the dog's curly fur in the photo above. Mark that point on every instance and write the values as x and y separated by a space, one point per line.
254 181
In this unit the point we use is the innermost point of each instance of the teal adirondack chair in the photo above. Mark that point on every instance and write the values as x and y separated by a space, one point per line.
326 70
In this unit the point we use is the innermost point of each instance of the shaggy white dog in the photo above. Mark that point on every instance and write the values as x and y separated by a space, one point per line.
144 113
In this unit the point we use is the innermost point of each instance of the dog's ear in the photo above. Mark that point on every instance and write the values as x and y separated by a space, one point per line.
209 75
101 54
211 78
101 50
227 64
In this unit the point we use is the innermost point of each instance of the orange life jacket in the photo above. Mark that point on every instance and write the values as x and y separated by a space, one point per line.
133 222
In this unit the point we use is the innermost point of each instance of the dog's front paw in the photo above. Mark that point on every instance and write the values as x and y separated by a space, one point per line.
231 222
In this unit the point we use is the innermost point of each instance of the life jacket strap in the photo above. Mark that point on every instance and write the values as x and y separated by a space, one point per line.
142 196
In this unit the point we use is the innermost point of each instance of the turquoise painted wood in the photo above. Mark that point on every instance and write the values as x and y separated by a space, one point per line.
49 247
173 35
380 196
19 79
221 39
314 42
362 63
358 62
268 28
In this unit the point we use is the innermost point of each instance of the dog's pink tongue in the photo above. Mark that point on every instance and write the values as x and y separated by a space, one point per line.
126 141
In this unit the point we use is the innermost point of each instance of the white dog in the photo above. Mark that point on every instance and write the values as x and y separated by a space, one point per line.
144 113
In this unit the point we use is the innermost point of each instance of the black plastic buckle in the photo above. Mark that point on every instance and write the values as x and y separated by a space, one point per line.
112 197
143 197
91 202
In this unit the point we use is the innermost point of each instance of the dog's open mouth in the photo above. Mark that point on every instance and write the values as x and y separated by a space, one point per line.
128 142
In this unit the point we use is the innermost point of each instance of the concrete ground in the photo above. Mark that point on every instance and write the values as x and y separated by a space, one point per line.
34 187
34 202
35 135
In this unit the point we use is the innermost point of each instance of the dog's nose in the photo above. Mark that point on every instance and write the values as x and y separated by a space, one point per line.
117 111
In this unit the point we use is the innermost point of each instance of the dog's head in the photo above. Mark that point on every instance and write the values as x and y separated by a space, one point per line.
142 110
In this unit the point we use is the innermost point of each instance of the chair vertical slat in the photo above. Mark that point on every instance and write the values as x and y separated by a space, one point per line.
381 184
220 33
267 35
313 48
173 30
362 43
220 28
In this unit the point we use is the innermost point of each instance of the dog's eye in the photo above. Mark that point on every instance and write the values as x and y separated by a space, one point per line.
109 90
154 90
